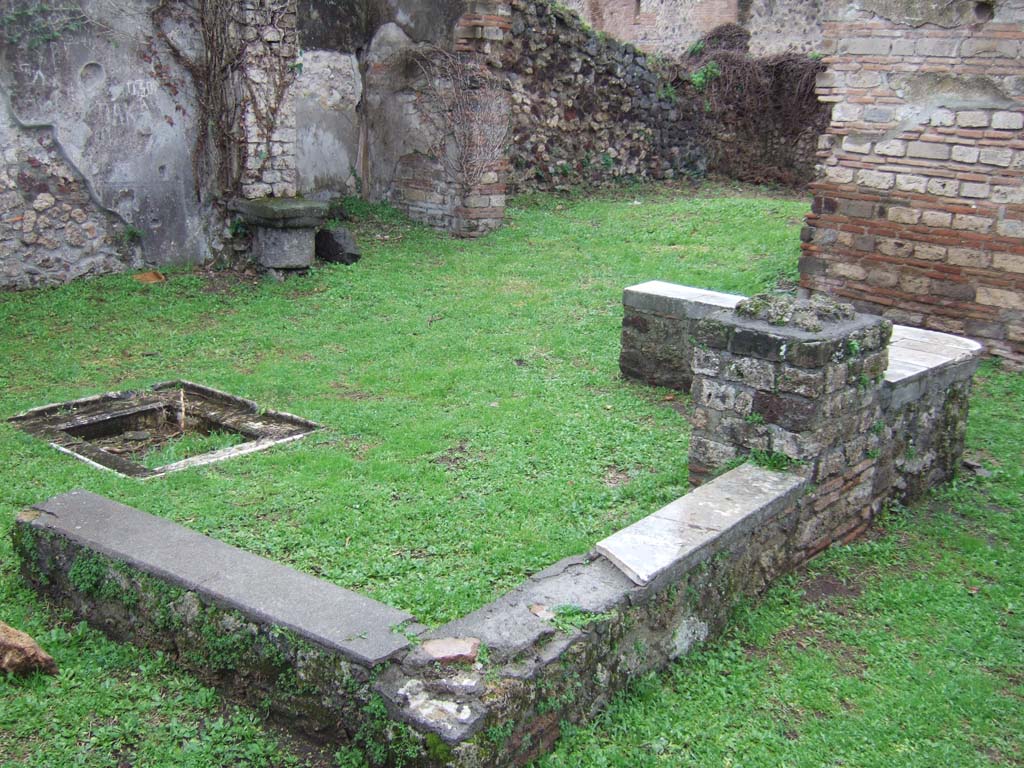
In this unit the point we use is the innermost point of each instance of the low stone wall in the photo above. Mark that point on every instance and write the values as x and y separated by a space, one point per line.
844 407
805 387
260 631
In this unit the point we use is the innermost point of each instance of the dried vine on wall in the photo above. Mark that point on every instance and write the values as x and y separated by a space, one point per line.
466 103
225 91
767 102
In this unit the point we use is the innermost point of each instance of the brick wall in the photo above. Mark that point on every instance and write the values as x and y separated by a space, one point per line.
919 211
436 130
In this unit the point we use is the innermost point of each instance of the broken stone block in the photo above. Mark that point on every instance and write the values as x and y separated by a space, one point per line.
337 246
451 650
21 655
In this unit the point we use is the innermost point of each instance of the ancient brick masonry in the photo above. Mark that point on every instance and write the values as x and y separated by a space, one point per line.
866 412
919 212
481 30
451 171
810 396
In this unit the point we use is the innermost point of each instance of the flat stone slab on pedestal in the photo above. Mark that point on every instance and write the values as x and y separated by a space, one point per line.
281 212
677 533
283 229
264 591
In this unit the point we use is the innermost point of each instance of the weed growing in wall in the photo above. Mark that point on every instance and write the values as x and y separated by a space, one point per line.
32 24
702 76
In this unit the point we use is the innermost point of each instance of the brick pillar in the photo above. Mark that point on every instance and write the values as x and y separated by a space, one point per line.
481 31
799 385
269 68
919 210
803 392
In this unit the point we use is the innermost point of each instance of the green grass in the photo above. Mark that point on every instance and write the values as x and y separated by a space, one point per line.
473 413
189 445
469 391
917 659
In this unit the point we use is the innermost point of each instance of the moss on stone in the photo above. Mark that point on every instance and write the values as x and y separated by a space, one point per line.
784 310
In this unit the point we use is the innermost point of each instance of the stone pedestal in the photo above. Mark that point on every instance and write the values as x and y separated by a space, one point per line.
796 381
283 230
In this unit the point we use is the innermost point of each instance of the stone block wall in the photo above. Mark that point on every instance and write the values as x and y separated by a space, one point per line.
658 330
919 211
269 69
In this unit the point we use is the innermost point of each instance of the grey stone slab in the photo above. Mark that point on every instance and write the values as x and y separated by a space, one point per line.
677 300
283 212
507 625
267 592
683 531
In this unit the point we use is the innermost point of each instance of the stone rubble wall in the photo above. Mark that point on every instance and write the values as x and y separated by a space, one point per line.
110 112
587 109
667 27
251 660
779 27
919 209
51 228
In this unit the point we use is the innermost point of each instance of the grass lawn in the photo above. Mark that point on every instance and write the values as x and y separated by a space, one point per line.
476 430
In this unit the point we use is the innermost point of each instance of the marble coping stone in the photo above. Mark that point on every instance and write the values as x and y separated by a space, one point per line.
915 351
677 535
677 300
357 627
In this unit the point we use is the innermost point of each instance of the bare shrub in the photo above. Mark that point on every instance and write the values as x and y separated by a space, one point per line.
467 105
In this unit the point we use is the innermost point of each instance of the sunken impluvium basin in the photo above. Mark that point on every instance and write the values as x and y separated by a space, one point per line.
172 425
